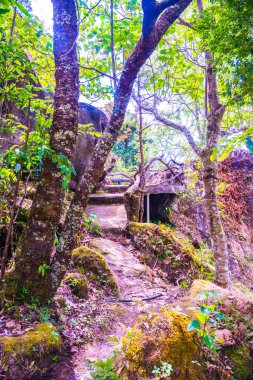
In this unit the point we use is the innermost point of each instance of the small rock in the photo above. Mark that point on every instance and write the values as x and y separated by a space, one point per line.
10 324
60 300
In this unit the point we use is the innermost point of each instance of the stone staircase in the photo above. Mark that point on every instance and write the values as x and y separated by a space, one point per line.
115 189
106 198
108 206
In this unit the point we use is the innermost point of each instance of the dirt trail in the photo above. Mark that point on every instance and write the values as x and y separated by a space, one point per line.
135 280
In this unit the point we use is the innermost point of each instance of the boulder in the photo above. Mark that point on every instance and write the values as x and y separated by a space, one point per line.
158 337
94 266
78 284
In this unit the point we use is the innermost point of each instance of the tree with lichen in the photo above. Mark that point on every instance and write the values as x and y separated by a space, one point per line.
37 241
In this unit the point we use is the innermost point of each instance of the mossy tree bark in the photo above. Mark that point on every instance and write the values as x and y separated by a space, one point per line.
158 17
36 243
214 114
211 176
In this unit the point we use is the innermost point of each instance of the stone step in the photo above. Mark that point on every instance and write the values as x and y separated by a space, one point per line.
115 189
106 199
111 218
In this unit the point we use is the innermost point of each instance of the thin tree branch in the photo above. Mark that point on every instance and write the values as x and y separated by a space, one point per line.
112 44
97 71
185 23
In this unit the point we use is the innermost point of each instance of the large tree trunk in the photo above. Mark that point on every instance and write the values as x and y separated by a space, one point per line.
32 272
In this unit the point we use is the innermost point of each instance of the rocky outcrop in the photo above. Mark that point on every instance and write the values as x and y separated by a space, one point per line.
166 337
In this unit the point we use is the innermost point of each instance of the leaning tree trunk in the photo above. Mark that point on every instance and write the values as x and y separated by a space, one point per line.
32 275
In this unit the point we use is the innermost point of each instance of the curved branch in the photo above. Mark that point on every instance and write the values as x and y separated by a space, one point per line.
134 187
177 127
151 11
182 129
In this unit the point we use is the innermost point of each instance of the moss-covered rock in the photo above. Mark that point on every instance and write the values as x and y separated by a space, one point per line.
240 361
175 254
78 284
31 353
94 266
99 248
161 337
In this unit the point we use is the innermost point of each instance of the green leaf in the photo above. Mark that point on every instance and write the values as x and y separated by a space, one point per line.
213 293
215 323
55 335
3 11
17 167
64 184
220 316
214 154
201 296
193 325
22 9
249 144
201 317
205 310
209 341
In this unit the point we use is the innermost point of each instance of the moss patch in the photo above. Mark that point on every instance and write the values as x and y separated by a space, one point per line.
78 284
161 337
97 247
240 362
174 254
30 353
94 266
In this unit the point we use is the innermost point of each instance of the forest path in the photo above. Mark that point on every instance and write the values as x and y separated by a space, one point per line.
136 281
